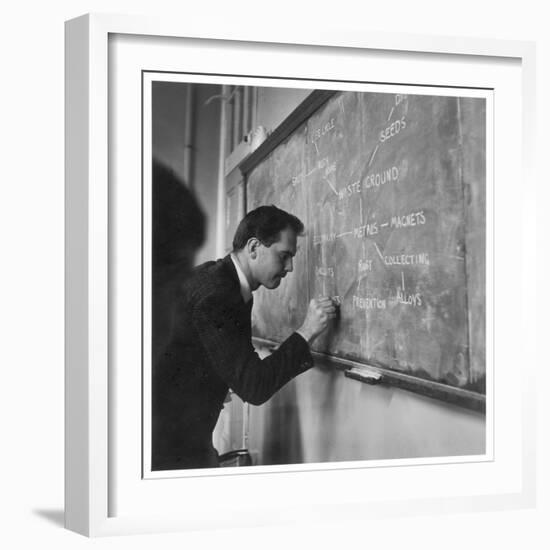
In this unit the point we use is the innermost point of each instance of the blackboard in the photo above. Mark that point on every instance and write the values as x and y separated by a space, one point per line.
391 189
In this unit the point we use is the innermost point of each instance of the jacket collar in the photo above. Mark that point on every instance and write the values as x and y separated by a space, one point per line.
229 267
244 285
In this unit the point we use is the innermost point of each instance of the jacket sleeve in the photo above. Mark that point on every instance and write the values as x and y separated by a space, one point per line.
225 337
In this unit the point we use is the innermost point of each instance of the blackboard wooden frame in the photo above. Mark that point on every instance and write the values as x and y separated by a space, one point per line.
507 482
432 389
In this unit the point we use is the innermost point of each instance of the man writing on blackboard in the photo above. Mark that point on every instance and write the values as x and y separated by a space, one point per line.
211 351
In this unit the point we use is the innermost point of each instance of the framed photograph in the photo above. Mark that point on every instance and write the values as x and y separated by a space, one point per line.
390 371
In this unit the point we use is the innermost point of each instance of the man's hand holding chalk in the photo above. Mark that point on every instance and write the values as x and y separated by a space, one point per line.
319 313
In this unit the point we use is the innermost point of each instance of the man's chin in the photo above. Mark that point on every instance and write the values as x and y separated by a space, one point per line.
275 283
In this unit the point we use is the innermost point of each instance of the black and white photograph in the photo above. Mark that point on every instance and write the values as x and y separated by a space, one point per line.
273 275
317 262
299 280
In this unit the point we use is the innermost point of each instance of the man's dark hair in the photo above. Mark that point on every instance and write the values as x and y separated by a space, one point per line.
265 223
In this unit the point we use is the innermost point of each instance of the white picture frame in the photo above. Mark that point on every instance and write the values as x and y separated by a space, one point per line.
94 442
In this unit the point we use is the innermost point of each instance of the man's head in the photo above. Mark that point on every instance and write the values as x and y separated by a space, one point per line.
265 243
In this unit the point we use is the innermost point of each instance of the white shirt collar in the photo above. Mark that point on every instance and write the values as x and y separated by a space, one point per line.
246 293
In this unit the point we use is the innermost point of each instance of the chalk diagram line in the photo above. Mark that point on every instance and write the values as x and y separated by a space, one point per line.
378 250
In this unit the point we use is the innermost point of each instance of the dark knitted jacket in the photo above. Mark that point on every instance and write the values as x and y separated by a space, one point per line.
210 350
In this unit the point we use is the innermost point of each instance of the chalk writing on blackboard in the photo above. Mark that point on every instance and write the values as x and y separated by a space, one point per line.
381 181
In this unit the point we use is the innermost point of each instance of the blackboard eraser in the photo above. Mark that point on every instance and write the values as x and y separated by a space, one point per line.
364 374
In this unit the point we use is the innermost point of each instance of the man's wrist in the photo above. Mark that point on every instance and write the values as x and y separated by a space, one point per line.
306 335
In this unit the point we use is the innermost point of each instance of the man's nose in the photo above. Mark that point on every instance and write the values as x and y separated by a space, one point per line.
288 265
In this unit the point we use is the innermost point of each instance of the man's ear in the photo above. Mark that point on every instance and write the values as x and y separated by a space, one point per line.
252 247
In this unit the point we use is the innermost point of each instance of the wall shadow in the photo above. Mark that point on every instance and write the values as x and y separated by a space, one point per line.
282 422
